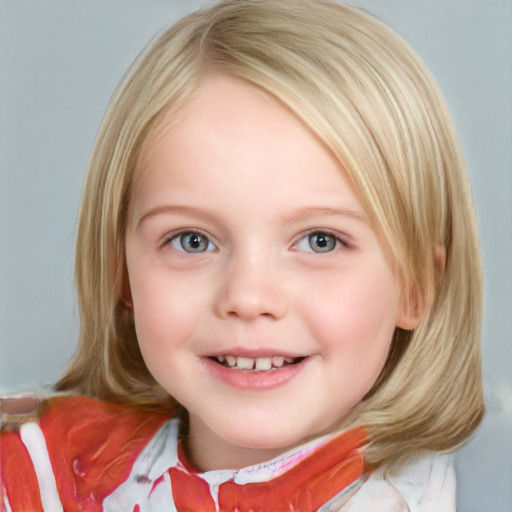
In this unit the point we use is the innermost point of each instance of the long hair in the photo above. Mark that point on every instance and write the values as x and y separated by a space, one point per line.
367 96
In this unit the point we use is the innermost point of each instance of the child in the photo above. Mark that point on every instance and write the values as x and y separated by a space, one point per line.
277 234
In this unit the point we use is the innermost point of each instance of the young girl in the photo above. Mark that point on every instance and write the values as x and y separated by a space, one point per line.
279 281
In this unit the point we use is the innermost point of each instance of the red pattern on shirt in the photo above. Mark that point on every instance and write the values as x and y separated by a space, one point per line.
305 487
92 447
17 475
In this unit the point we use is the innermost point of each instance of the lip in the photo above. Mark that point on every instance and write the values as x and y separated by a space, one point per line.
254 354
254 380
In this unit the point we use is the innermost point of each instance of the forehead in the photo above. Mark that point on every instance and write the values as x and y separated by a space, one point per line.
225 106
230 130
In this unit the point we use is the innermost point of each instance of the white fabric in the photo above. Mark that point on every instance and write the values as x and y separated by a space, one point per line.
33 439
425 485
160 454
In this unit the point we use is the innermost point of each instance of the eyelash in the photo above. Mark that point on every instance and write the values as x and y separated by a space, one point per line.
307 237
329 238
177 237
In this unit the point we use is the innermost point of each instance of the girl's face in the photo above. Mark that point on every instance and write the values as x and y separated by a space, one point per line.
263 301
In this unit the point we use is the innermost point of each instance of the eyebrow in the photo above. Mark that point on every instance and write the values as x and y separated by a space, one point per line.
169 208
297 216
322 211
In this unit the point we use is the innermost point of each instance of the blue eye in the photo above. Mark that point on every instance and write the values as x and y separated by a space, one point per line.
191 242
319 242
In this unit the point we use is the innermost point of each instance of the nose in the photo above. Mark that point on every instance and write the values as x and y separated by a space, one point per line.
251 288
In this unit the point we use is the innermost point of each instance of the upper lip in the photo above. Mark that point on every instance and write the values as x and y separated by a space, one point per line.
255 353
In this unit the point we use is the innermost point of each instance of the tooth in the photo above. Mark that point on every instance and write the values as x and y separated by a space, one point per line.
289 360
263 363
220 359
231 360
277 361
245 363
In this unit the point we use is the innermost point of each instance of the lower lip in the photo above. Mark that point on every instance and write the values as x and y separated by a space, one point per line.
253 379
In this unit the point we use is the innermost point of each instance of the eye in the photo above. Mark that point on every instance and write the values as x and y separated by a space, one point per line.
319 242
191 242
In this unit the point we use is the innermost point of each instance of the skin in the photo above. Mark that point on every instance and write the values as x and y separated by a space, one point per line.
19 406
254 183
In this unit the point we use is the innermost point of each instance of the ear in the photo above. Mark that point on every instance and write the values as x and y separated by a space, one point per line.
415 301
125 293
126 299
412 308
439 258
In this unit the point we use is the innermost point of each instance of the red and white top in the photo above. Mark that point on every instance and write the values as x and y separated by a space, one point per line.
87 455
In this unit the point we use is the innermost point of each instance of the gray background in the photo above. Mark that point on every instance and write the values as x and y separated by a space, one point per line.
60 61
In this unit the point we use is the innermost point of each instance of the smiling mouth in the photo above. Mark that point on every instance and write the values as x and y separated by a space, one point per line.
262 364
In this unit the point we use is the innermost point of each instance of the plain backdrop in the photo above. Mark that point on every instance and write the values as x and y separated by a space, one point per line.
60 60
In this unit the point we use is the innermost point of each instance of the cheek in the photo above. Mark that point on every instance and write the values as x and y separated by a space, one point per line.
355 318
163 324
163 309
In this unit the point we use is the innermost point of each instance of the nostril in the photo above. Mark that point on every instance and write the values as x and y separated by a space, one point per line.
249 290
250 308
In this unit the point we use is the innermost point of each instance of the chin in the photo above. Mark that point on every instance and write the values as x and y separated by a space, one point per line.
274 438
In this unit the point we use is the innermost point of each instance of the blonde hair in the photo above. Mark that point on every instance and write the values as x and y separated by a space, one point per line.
369 98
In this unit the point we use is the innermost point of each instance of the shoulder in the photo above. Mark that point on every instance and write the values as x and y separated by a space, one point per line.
88 446
426 484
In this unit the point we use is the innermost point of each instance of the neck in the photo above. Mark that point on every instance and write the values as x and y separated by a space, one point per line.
207 454
207 451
